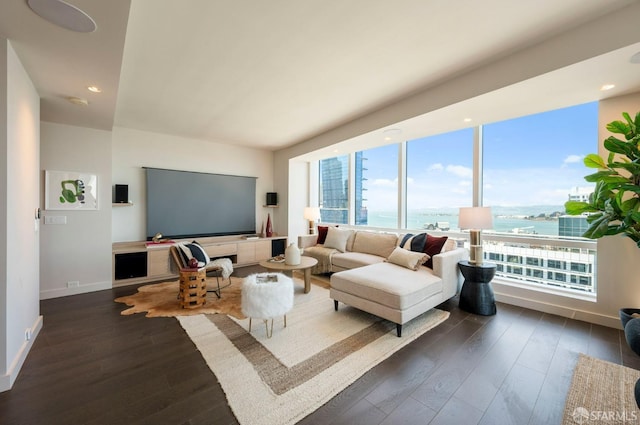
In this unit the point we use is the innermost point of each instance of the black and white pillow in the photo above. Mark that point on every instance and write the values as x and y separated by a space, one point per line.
413 242
193 250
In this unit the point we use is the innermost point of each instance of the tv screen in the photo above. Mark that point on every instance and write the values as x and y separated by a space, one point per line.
185 204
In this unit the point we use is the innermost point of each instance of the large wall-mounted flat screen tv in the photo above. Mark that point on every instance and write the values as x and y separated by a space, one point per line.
186 204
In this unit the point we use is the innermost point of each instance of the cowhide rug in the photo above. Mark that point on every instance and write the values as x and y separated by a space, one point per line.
161 300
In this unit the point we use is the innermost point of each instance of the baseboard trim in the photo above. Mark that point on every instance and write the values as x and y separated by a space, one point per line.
82 289
585 316
7 380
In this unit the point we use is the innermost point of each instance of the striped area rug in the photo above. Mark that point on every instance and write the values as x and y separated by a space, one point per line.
282 379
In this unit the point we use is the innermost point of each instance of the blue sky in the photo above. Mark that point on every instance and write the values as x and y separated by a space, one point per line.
534 160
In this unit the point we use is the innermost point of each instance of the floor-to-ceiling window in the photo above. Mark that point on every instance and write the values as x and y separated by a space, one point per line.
530 167
376 187
439 179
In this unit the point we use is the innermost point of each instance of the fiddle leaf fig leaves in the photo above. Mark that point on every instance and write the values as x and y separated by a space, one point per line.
614 206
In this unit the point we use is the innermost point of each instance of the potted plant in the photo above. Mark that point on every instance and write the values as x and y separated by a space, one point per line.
614 206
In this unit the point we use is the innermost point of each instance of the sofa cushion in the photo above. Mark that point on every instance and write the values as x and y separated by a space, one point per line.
388 284
433 247
409 259
350 260
381 244
337 239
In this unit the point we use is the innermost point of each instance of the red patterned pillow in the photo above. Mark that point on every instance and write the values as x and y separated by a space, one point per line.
322 234
432 247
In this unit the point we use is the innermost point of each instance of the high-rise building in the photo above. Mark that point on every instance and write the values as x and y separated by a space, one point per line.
334 190
362 217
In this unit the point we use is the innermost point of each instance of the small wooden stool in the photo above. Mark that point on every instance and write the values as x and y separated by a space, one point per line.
193 287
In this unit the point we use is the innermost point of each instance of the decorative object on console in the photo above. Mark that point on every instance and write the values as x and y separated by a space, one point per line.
312 214
475 219
269 230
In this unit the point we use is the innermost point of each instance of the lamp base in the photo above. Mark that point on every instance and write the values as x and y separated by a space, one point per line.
475 247
312 227
475 255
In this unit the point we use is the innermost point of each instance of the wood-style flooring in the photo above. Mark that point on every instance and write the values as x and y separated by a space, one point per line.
90 365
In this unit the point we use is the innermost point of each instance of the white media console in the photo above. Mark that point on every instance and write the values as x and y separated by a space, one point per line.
139 262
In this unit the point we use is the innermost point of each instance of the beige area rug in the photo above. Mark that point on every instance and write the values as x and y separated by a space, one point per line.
283 379
601 393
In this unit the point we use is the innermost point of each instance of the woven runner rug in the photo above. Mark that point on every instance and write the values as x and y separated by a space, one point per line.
601 393
282 379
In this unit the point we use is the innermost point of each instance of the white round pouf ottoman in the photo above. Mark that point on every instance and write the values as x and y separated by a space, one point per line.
265 296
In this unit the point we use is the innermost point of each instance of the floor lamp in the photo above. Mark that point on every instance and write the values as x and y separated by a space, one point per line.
312 214
475 219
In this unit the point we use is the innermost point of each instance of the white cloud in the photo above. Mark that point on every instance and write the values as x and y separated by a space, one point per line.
384 183
460 171
572 159
436 167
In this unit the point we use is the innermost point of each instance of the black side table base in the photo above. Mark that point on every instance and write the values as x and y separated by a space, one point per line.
476 295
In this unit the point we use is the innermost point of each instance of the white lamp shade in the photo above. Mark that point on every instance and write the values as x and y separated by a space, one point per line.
312 213
475 218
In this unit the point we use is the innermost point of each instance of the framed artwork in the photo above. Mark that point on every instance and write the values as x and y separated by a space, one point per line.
70 190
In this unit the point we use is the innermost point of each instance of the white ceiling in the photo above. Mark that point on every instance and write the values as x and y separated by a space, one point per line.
273 74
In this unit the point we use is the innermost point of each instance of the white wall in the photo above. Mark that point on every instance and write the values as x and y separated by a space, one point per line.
81 249
19 188
134 149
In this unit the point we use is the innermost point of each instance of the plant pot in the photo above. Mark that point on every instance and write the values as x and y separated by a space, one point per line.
626 315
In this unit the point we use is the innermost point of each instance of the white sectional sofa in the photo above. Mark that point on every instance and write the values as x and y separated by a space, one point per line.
371 271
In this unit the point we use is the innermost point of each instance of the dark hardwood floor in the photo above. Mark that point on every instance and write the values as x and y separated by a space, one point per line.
90 365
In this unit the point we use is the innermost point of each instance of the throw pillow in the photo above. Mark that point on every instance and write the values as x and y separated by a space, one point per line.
322 234
414 242
337 239
432 247
193 250
409 259
198 251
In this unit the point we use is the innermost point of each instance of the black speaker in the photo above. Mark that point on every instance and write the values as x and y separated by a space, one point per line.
272 198
122 194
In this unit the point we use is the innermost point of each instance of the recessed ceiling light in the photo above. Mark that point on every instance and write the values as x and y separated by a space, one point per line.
635 58
77 101
94 89
63 14
607 87
390 133
467 120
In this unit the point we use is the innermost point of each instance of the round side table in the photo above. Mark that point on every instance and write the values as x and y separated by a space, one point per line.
476 295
